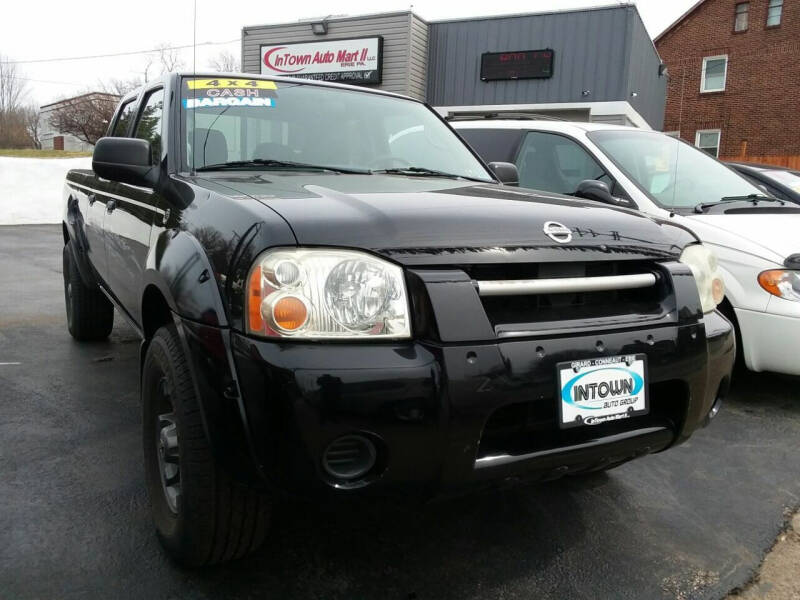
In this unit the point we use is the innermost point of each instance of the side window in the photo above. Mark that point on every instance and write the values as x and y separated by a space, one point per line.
123 120
493 144
554 163
149 125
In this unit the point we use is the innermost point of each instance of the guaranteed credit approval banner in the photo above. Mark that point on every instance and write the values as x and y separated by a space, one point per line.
351 61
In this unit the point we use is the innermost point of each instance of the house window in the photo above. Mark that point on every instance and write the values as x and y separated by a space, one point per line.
774 13
742 14
715 70
708 140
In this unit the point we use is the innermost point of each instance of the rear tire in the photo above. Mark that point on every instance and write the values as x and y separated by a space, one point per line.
202 517
90 315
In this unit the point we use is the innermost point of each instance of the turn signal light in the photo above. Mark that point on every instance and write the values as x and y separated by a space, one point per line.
290 313
769 280
783 283
255 319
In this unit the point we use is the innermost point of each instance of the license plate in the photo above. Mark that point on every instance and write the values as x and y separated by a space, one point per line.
600 390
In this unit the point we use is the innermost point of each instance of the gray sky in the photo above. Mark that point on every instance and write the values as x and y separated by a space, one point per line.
46 29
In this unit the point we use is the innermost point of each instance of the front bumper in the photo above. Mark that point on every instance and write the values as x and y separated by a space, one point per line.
451 416
770 340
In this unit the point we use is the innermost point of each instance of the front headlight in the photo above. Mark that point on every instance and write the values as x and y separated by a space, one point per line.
781 283
703 263
320 293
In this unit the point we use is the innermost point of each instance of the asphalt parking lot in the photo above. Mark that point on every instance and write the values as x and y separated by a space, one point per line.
694 522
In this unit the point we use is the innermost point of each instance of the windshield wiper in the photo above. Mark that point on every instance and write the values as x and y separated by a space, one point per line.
426 172
754 198
279 164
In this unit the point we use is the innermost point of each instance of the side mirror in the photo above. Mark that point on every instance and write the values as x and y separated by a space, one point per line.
506 172
591 189
127 160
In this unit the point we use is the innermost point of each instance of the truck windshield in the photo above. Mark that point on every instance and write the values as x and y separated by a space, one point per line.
265 124
673 173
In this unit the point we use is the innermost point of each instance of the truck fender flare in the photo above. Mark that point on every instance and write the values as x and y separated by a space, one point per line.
76 242
178 266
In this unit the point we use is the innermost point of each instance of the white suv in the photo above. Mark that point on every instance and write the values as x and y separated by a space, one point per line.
756 237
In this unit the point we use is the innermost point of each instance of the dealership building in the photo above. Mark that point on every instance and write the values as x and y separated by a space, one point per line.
596 64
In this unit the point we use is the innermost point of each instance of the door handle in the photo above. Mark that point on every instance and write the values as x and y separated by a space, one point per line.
111 205
92 198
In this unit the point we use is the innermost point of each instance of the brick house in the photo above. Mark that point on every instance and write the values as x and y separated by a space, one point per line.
734 79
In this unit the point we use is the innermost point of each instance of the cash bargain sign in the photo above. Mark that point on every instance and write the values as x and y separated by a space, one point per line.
349 61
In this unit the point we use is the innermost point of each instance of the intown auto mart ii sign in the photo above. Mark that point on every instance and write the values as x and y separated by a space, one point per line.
351 61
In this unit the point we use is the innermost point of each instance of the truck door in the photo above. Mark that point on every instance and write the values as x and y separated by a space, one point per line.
130 214
95 240
97 200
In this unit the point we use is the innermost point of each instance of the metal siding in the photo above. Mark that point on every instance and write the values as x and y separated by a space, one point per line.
643 77
612 120
394 28
590 54
418 57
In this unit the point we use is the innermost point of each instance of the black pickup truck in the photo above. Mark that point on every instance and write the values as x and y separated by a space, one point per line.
337 297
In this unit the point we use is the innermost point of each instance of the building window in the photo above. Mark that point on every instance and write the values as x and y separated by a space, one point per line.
708 140
774 13
715 70
742 14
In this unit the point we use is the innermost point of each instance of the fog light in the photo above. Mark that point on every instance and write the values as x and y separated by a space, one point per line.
349 457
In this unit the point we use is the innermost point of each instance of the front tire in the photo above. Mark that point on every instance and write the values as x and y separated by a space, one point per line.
726 308
202 517
90 315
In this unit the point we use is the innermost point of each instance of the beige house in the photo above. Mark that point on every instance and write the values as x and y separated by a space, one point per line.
56 140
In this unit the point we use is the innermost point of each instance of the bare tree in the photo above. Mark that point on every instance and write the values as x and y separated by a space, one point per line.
12 86
13 132
224 61
169 58
148 63
119 87
33 124
86 116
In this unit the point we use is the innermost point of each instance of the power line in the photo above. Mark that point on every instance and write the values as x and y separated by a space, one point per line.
115 54
47 81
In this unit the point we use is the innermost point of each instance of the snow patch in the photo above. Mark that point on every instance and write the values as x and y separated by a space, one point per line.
31 189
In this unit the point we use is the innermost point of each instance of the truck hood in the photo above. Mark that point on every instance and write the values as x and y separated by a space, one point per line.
432 220
768 234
